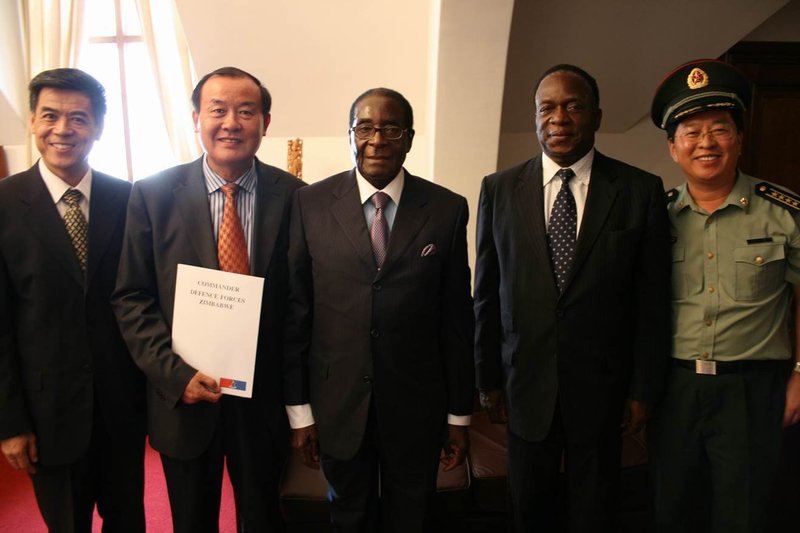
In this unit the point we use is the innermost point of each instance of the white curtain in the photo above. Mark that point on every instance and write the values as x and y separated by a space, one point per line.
51 37
13 96
173 72
51 33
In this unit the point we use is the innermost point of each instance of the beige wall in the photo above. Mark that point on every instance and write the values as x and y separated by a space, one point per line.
316 57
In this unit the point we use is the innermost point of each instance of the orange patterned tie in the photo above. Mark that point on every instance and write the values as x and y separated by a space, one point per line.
232 246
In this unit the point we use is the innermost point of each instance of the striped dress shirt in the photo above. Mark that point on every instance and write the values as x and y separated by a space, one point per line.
245 201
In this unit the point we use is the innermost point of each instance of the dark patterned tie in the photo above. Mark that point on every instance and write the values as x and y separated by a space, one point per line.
379 232
76 225
231 243
562 229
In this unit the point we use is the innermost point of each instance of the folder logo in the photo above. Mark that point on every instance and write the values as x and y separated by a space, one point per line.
234 384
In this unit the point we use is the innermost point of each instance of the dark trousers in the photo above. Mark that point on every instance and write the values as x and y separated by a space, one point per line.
111 475
592 470
255 453
383 488
714 447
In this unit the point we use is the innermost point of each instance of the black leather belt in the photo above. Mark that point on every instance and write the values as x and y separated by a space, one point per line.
732 367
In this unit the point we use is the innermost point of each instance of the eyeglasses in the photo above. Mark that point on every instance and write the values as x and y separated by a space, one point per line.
718 134
366 132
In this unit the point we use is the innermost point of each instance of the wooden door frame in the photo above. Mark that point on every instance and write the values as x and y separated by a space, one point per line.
764 63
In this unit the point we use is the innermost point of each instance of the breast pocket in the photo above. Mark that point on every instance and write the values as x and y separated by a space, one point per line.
680 284
760 270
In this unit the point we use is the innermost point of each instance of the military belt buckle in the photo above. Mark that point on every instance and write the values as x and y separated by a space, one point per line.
707 368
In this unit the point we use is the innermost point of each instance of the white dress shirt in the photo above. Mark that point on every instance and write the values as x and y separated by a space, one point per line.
57 187
579 185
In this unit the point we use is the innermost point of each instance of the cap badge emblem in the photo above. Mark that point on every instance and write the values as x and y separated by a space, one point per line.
697 79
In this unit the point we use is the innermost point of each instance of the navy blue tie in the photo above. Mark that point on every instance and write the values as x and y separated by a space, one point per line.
562 230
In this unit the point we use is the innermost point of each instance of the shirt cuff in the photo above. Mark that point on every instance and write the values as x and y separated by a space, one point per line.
459 420
300 416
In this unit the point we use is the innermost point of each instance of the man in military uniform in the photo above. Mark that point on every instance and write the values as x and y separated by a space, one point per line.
736 268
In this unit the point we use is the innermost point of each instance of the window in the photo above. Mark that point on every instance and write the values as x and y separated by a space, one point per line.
134 143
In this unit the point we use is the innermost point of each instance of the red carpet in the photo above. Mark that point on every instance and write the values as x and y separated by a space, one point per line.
19 514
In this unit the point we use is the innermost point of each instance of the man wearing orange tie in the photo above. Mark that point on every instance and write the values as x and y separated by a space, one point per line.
225 211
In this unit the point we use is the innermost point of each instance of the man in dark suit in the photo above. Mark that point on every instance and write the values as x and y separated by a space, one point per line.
72 410
571 306
181 216
379 327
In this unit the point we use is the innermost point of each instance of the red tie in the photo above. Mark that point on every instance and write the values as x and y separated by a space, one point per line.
232 246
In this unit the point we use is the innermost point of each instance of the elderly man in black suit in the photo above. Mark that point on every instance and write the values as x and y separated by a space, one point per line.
571 306
379 327
186 214
72 409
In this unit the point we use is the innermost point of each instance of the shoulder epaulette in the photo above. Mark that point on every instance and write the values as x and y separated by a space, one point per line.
671 195
780 197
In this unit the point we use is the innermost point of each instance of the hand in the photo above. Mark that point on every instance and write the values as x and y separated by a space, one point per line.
791 413
494 403
21 453
306 441
456 447
636 414
201 388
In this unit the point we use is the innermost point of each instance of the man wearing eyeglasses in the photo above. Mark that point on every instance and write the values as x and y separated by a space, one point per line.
379 377
735 269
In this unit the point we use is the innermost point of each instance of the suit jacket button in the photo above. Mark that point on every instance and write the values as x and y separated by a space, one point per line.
559 313
367 379
377 286
374 333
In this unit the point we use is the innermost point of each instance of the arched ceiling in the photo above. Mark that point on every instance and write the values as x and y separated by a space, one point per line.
627 45
315 56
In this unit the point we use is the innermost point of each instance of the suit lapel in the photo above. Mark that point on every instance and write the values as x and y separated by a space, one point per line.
191 199
41 215
599 201
412 214
268 212
349 213
529 211
105 208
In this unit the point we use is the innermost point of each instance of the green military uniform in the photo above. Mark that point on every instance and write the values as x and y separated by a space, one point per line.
733 272
719 422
